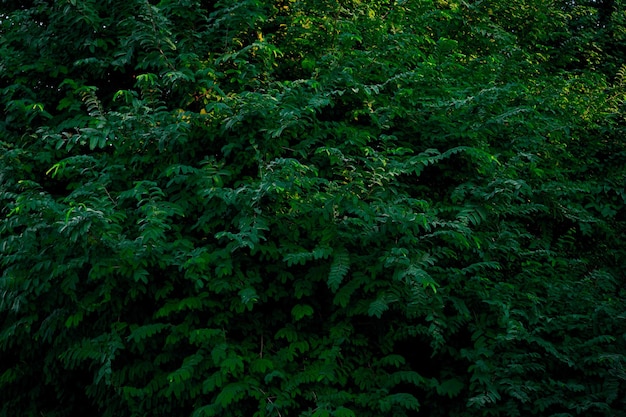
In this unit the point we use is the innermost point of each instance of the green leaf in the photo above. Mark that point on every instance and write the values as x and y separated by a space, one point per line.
248 297
231 393
74 320
299 311
451 387
378 307
403 400
140 333
338 269
321 412
343 412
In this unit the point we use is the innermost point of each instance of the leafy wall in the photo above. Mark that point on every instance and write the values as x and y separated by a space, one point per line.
305 208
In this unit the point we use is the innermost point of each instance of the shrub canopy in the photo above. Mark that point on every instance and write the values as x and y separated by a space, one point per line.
312 208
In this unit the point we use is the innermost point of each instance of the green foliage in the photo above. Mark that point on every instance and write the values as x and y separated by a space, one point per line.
312 208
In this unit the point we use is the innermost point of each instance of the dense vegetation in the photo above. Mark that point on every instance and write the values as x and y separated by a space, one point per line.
312 208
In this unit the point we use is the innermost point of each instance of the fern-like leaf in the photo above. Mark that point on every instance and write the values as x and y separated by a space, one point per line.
338 269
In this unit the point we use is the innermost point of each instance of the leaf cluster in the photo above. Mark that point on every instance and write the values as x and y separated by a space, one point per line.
311 209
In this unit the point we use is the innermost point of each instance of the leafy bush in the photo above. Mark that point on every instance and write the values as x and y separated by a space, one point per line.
310 208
